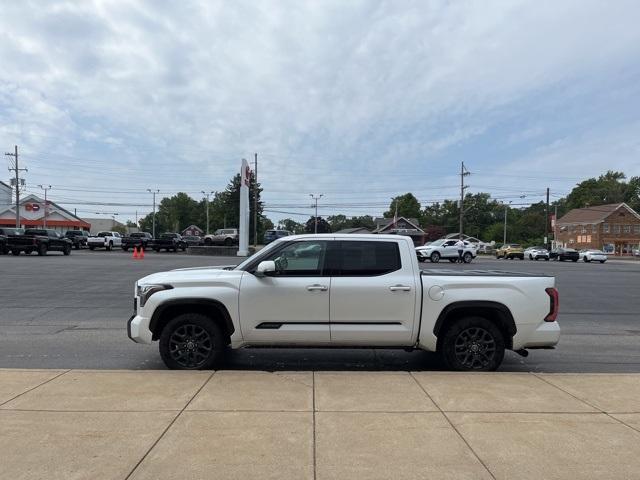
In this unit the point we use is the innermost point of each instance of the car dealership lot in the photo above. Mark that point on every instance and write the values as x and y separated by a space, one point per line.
70 312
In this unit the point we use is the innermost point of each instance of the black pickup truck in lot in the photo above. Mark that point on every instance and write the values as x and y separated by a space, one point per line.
169 242
40 241
137 240
78 238
5 233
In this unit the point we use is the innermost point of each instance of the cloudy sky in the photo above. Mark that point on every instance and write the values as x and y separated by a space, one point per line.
358 100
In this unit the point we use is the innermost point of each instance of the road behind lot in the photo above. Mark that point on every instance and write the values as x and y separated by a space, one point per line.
70 312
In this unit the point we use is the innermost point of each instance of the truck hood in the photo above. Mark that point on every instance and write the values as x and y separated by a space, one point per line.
193 277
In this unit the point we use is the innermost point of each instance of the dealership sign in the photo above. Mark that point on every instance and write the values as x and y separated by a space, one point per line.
32 207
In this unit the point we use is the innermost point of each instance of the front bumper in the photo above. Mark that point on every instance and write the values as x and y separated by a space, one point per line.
138 329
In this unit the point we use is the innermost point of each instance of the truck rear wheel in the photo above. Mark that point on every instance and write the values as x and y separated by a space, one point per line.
42 250
473 344
191 341
15 252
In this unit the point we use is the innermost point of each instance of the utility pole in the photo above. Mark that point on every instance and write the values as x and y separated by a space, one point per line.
17 169
206 199
546 222
504 237
154 210
255 200
46 205
316 198
555 227
463 173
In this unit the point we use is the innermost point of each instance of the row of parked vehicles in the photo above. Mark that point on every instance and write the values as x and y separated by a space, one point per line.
514 250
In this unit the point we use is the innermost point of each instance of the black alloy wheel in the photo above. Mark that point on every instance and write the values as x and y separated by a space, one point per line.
191 342
473 344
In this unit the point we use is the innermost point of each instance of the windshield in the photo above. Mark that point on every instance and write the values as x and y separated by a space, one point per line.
262 252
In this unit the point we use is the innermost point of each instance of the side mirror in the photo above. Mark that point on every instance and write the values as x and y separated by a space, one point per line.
266 268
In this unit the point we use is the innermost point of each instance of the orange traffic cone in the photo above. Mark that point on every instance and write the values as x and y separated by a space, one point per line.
135 253
141 257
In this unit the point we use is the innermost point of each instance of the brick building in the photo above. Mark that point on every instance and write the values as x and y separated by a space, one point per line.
614 228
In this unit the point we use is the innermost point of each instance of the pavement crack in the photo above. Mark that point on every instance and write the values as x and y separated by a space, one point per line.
161 436
37 386
475 454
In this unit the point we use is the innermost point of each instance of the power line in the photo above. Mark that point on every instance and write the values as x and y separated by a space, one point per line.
16 168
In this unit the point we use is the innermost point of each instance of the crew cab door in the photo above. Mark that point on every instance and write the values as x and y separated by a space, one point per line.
374 293
291 306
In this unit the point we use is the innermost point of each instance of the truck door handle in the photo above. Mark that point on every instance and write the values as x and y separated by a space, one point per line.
317 286
401 288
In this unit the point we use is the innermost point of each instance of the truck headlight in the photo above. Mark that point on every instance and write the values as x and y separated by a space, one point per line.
145 291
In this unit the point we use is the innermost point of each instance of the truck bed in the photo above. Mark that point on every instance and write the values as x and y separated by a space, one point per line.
443 272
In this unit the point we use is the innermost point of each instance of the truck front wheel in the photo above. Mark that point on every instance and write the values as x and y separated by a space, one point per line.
473 344
191 341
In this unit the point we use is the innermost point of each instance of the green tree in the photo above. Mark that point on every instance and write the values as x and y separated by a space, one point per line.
407 205
323 225
607 188
291 225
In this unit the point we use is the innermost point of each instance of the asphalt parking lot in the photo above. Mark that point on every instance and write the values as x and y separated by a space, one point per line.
70 312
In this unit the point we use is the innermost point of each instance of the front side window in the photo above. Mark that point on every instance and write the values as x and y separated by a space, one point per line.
299 259
627 229
605 228
367 258
616 229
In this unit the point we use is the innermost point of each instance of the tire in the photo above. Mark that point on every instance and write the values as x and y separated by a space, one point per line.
531 257
473 344
435 257
42 250
77 246
421 260
157 250
574 260
208 242
467 257
15 252
125 249
91 247
228 242
585 260
201 332
546 259
602 261
66 251
110 246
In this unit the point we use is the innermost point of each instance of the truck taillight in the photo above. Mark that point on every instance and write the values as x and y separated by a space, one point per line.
554 304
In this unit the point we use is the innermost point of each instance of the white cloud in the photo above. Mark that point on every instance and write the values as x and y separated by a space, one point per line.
176 93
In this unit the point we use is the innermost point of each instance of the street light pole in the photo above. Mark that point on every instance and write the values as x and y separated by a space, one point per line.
206 196
46 205
506 207
316 198
154 210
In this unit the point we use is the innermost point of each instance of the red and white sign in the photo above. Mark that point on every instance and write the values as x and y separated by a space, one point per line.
553 221
246 173
32 207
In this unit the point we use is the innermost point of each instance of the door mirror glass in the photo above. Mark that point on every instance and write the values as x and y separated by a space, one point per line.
266 268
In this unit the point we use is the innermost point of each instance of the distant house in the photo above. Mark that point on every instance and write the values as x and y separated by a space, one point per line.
409 227
192 231
354 230
614 228
104 225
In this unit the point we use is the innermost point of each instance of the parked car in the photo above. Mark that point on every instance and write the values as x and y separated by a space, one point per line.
536 253
562 254
107 240
171 242
5 233
277 297
592 255
78 238
40 241
193 240
271 235
446 249
223 236
510 251
141 240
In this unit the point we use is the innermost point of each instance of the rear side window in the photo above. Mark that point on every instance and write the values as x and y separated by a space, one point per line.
366 258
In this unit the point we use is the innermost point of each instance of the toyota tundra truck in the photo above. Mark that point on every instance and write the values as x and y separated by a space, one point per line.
336 290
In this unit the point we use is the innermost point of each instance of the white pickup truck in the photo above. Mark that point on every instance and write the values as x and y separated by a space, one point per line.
343 291
107 240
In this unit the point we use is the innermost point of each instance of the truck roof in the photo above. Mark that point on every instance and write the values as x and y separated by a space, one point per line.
344 236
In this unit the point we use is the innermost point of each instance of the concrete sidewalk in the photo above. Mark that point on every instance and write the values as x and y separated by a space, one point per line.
77 424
